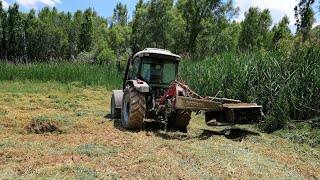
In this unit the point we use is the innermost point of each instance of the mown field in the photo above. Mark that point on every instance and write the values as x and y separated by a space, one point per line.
88 145
54 123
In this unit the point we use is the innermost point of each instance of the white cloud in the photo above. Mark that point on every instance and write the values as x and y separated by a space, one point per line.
5 5
278 8
34 3
315 25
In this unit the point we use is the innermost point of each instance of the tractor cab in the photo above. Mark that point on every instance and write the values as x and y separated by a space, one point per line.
156 67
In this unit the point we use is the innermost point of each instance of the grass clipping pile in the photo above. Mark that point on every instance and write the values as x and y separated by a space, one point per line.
42 125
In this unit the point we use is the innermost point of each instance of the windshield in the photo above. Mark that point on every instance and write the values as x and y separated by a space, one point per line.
158 70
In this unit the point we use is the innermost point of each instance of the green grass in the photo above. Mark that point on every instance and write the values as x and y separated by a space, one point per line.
77 74
303 133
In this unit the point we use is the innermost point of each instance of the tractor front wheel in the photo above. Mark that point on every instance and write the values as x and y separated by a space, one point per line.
133 109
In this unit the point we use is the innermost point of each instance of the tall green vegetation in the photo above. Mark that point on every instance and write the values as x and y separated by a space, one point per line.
120 15
3 29
77 74
32 45
86 31
255 29
304 15
288 88
16 34
195 13
281 30
119 32
195 29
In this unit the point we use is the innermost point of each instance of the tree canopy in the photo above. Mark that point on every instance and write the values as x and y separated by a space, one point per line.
192 28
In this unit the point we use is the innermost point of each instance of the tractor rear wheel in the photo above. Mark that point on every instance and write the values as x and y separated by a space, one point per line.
180 120
133 109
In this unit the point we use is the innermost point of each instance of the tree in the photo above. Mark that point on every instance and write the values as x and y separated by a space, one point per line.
16 35
118 35
74 33
228 39
315 34
32 40
86 32
304 16
138 24
281 30
65 21
3 19
157 23
120 15
215 36
51 33
159 18
1 34
255 29
176 31
119 39
194 12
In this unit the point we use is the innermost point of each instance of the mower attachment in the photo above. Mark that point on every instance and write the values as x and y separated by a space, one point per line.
197 104
238 113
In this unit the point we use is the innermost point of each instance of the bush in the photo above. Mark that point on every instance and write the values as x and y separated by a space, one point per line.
106 56
85 58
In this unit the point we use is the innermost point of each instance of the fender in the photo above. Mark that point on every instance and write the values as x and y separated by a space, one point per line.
140 86
118 96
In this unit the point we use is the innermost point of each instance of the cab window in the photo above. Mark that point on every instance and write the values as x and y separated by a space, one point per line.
134 68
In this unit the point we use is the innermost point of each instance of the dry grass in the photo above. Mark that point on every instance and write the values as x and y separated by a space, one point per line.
90 146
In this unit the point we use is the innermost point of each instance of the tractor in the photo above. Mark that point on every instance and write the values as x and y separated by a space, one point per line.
153 89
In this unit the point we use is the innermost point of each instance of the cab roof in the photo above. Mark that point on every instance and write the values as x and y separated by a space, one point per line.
157 52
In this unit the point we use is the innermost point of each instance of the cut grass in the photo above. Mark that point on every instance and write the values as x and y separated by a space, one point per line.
94 147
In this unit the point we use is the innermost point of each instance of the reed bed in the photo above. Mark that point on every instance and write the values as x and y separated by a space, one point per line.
82 74
288 87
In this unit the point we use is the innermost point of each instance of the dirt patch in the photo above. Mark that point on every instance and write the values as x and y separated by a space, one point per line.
40 126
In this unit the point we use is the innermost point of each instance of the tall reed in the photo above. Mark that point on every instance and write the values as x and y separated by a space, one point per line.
287 87
86 75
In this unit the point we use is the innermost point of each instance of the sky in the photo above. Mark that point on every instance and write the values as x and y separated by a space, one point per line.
278 8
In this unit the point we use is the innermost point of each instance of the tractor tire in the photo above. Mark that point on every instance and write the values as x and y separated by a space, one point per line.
133 109
115 112
180 120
